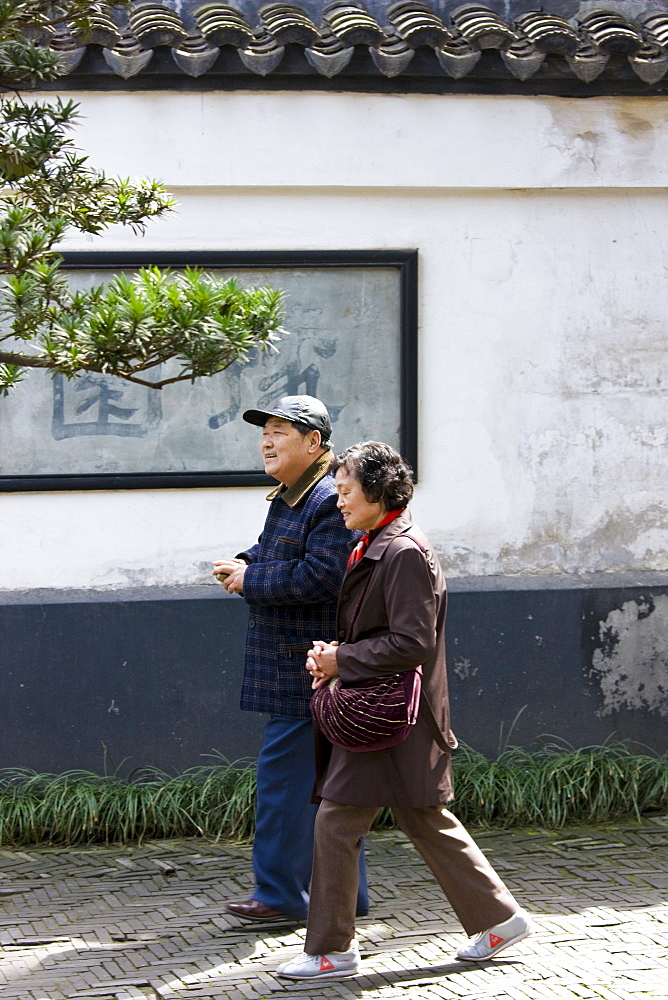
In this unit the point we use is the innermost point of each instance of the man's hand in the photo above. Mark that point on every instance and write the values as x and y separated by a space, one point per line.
321 663
232 571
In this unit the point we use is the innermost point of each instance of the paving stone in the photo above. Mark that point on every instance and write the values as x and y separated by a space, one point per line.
150 922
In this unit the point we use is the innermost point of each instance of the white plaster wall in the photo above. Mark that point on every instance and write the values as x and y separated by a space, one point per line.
301 140
542 226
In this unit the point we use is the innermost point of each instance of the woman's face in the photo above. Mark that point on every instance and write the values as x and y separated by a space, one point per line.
358 513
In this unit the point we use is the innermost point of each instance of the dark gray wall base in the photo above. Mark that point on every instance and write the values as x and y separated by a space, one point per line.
116 680
124 679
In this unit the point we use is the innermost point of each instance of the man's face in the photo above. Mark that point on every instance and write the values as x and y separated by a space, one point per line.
287 453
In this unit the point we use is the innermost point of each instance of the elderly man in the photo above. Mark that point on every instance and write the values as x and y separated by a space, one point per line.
290 580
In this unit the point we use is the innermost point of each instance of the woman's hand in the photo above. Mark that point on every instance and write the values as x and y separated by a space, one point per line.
321 663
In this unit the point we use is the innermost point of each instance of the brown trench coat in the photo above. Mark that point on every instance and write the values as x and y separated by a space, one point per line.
400 624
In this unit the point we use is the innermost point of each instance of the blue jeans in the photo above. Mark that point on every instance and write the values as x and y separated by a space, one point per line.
285 816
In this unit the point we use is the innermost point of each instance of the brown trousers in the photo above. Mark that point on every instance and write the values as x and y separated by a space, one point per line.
474 890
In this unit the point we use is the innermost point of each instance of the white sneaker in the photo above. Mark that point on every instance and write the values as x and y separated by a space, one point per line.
335 965
488 944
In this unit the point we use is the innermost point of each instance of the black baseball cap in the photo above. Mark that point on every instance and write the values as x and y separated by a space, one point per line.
299 410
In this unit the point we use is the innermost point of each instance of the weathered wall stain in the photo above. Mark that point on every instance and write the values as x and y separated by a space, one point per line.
616 542
463 668
626 134
631 661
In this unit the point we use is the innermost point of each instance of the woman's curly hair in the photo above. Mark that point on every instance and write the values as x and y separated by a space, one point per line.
381 472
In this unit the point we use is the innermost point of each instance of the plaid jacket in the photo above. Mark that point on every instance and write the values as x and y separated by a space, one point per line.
292 586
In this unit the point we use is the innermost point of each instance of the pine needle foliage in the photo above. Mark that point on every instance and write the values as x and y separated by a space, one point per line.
549 787
199 323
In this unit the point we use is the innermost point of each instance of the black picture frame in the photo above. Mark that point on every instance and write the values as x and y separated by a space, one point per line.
404 261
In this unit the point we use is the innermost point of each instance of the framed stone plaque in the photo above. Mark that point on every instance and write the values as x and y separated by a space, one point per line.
352 342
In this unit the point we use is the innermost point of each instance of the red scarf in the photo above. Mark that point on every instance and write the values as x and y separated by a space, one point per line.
363 543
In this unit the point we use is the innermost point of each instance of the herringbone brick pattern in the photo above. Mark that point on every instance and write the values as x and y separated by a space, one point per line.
150 922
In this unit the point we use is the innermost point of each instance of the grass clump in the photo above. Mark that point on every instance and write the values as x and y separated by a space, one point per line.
554 785
549 786
80 807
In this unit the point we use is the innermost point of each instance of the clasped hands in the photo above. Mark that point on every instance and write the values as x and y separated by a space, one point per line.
321 663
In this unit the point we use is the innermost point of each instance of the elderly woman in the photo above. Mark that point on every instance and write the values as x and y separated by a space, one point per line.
391 618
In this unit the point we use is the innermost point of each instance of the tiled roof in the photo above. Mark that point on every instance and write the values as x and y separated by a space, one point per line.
370 45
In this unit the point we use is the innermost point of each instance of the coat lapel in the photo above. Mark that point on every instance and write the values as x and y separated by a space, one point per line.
378 545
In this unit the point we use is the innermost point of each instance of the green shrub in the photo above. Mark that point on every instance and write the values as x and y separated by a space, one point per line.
549 786
554 785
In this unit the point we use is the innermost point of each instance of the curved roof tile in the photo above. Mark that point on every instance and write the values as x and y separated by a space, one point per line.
372 44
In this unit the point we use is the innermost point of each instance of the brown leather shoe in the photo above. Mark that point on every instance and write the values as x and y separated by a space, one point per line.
253 909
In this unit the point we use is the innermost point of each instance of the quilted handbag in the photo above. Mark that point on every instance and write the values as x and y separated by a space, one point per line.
371 715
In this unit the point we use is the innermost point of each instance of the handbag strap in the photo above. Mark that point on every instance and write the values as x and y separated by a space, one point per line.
430 718
432 724
414 539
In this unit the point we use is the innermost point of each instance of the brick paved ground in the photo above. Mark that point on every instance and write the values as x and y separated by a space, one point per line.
149 922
